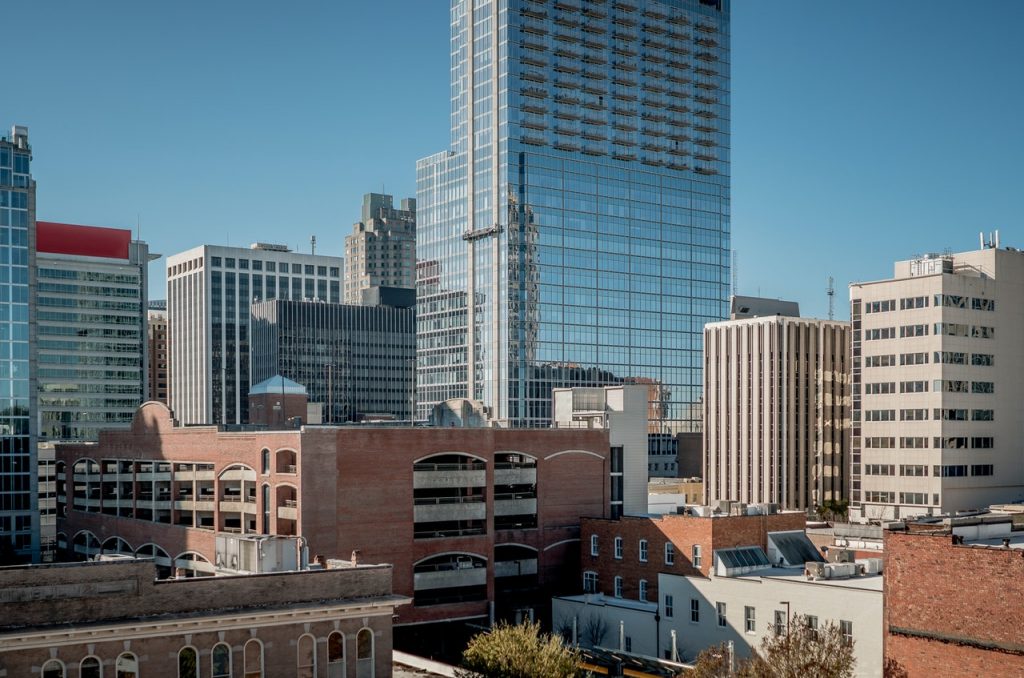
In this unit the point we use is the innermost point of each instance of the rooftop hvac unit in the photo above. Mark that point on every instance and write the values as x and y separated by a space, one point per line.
256 554
815 570
840 556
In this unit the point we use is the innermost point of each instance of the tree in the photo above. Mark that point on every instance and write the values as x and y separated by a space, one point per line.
519 651
712 662
822 652
804 651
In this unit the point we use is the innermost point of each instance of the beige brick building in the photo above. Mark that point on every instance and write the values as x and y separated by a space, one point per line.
381 250
937 385
776 410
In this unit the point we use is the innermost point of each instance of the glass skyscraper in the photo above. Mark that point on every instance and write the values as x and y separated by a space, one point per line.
18 474
577 231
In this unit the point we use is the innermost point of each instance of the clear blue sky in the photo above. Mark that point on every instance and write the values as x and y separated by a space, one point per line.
863 132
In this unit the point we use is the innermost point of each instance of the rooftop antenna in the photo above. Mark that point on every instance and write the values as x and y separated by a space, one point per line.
831 292
312 244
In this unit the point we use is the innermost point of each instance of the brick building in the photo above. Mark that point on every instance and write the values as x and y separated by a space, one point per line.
467 516
90 620
636 549
953 592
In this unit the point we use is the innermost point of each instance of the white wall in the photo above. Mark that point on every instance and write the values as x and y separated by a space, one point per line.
829 602
638 624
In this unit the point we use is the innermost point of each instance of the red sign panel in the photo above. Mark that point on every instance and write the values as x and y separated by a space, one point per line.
85 241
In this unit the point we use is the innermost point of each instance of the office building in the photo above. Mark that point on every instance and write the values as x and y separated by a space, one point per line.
114 619
937 381
356 361
467 516
159 377
209 292
19 518
92 349
953 589
776 411
580 219
381 250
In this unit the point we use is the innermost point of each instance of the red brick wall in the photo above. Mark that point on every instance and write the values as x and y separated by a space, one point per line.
970 594
194 602
355 492
683 531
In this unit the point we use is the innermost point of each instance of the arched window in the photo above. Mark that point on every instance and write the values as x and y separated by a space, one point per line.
364 654
53 669
336 655
127 666
220 661
188 663
266 462
90 668
307 657
253 659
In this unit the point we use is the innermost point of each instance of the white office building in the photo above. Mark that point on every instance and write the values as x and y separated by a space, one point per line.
938 378
209 293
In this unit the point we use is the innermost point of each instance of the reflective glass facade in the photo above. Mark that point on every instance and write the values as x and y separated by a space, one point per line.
90 341
577 232
355 361
18 473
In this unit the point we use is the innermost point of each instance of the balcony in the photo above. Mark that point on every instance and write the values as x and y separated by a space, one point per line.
676 48
535 92
677 107
623 20
655 14
567 146
433 476
515 568
708 57
656 29
533 44
534 124
288 512
593 88
597 29
706 170
529 26
519 476
707 28
567 37
449 577
533 61
533 140
594 150
566 67
534 13
515 505
708 72
624 6
706 42
191 505
536 108
444 509
534 76
567 20
622 155
566 114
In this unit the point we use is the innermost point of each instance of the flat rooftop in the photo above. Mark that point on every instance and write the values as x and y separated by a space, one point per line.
866 582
